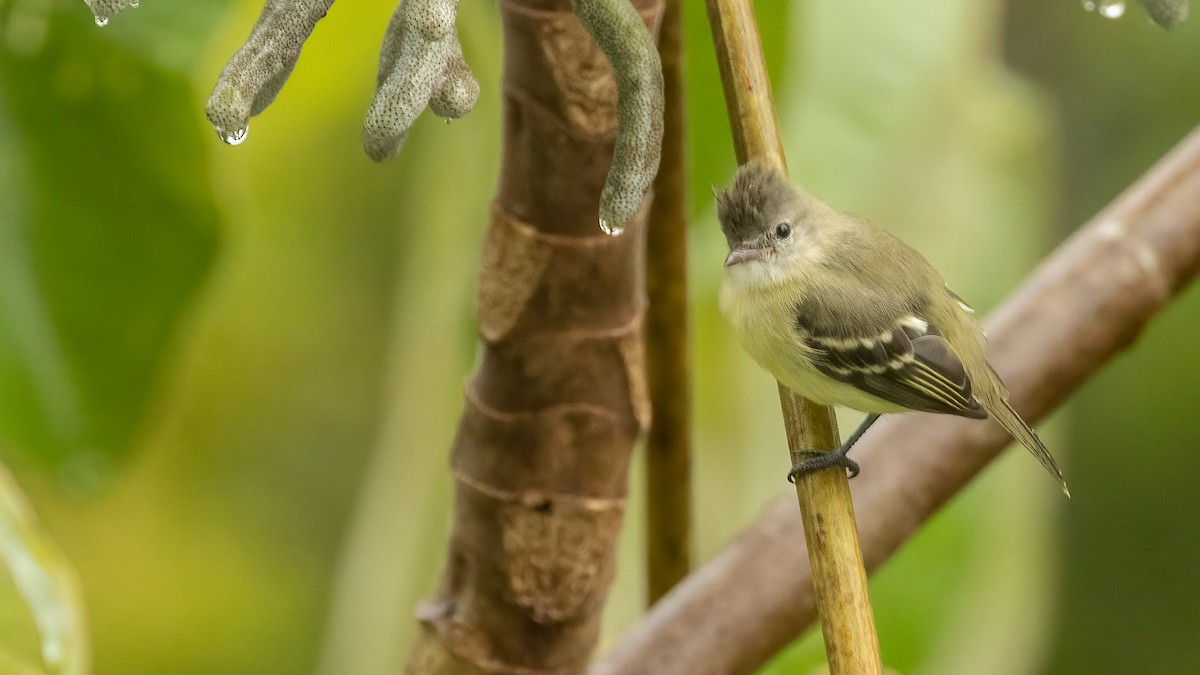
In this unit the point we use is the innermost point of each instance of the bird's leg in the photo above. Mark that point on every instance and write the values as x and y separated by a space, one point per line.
823 460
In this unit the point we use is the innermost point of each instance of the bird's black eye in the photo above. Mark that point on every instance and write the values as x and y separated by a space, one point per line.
782 230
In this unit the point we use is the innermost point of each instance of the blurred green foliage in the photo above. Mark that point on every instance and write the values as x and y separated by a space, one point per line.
112 228
252 357
1128 598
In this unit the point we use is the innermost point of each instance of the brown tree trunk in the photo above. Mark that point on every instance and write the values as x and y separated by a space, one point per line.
559 399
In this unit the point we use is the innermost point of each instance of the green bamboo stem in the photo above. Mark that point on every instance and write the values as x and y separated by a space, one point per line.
839 578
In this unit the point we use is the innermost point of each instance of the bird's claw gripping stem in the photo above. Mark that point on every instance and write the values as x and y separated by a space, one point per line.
823 460
818 460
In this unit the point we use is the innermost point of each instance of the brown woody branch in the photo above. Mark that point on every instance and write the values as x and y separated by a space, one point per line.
559 398
668 349
1086 303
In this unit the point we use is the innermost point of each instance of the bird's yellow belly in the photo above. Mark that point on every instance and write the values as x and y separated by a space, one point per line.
763 324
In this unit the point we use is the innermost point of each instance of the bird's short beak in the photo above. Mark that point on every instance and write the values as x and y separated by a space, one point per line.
740 255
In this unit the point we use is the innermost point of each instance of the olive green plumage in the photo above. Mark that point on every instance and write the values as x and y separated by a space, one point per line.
844 313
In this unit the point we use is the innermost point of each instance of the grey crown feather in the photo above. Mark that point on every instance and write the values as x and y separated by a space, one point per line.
758 190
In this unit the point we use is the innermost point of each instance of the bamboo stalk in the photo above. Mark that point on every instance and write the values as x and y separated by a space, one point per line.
839 578
668 349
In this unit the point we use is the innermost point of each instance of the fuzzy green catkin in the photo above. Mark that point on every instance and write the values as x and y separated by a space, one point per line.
103 10
460 90
258 70
624 39
1166 13
421 64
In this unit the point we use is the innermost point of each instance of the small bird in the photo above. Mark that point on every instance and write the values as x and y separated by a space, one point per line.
844 313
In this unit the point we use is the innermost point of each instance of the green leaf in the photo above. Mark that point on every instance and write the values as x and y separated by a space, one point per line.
39 595
107 229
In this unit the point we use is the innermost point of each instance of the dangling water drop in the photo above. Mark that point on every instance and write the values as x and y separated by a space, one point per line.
448 121
1111 9
133 4
234 137
101 21
609 229
1088 5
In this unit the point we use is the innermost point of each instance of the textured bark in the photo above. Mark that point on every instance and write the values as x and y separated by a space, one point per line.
1084 305
668 343
559 399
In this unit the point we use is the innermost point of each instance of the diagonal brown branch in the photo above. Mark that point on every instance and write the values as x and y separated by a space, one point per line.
559 398
668 350
1082 306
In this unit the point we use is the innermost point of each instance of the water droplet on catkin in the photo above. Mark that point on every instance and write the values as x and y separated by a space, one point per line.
133 4
101 21
1111 9
234 137
609 229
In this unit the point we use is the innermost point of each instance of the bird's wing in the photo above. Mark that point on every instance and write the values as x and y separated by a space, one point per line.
910 364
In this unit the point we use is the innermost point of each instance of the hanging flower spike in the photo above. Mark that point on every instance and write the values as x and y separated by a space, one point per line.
1166 13
104 10
258 70
624 39
421 64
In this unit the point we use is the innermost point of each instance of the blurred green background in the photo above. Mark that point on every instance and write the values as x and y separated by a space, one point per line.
227 389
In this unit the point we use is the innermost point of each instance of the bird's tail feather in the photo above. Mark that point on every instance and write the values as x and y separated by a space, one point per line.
1013 424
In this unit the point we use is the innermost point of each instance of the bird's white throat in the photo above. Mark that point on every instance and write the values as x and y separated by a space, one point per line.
756 273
